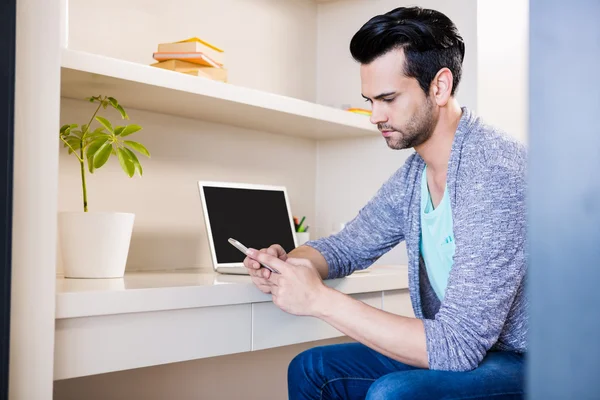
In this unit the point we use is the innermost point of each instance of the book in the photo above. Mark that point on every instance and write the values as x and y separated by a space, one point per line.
193 57
359 111
194 45
178 65
218 74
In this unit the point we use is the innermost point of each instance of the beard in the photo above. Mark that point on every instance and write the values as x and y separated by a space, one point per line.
417 131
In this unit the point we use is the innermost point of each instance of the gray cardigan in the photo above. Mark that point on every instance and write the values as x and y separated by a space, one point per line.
485 305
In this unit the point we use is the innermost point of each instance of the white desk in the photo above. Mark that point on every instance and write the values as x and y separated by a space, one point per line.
153 318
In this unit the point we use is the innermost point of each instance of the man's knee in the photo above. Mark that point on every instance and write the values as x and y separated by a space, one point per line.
397 386
303 364
304 371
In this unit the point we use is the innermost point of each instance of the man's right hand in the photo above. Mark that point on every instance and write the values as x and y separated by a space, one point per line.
259 274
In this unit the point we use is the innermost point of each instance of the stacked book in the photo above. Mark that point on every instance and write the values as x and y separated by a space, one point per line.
192 56
358 110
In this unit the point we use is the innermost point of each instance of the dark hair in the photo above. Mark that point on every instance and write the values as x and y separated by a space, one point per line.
429 38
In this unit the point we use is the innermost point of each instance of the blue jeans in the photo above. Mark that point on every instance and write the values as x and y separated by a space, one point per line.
354 371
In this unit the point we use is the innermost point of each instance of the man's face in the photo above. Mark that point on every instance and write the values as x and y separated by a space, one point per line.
402 112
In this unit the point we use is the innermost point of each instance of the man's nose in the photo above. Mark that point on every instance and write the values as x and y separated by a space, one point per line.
377 115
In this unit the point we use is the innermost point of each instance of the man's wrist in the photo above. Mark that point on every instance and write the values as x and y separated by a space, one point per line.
314 256
325 302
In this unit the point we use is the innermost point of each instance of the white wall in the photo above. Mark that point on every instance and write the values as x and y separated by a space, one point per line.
351 171
269 44
502 56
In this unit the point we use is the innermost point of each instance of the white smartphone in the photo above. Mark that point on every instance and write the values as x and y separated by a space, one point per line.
244 249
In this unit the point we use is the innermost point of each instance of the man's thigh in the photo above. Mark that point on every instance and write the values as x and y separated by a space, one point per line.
499 376
341 371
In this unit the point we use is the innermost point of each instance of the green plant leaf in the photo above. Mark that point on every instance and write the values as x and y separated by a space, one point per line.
66 128
119 130
126 162
90 162
105 104
135 160
102 155
90 137
94 146
106 123
138 147
98 133
130 129
67 131
74 143
71 140
75 133
122 111
113 102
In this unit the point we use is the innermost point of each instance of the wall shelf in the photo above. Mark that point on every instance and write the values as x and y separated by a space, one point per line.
153 89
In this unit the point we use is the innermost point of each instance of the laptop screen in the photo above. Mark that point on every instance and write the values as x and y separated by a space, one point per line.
257 218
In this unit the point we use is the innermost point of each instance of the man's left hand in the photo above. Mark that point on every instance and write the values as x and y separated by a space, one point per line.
298 289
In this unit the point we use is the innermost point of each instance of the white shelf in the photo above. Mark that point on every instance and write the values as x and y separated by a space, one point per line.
153 89
160 291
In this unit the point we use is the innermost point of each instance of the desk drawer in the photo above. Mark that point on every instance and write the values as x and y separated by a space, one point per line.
272 327
95 345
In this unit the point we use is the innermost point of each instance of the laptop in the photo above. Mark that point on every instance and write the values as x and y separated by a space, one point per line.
255 215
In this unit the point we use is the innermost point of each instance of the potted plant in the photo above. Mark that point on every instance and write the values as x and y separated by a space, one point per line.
96 244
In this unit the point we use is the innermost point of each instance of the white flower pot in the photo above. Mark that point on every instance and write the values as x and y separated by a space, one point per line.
94 244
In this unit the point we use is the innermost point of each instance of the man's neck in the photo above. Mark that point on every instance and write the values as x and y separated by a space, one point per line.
436 150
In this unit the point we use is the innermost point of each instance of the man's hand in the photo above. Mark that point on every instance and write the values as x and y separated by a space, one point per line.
259 274
298 289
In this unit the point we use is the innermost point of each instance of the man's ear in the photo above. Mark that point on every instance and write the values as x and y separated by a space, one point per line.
441 86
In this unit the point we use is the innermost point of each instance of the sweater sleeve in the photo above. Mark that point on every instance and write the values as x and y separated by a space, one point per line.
488 269
374 231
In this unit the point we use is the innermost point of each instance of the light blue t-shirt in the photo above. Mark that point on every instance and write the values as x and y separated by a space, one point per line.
437 238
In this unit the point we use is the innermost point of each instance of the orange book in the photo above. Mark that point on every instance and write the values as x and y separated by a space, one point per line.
194 45
359 111
216 74
179 65
193 57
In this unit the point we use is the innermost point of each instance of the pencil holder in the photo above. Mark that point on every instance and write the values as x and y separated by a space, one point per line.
302 237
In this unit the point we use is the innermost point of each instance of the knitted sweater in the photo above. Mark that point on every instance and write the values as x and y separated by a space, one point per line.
485 304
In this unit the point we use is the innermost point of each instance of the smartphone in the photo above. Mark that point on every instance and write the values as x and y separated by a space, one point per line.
244 249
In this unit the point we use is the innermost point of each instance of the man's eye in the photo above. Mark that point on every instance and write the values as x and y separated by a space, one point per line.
388 100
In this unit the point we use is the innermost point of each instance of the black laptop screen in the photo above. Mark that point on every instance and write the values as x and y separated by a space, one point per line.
257 218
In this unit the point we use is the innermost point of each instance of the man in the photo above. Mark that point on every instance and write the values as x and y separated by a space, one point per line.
458 202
